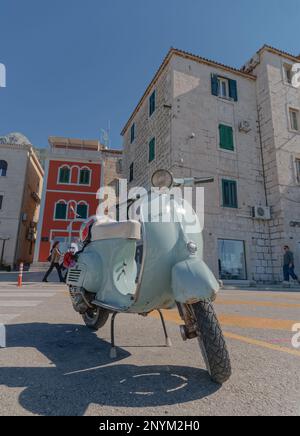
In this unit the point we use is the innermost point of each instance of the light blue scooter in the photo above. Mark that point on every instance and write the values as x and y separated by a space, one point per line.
141 266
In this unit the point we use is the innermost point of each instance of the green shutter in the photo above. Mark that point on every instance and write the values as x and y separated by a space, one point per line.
152 103
214 85
84 178
61 211
64 175
226 137
132 133
229 191
152 150
82 210
233 90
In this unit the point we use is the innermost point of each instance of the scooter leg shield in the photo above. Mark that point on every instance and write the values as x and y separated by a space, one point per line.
193 281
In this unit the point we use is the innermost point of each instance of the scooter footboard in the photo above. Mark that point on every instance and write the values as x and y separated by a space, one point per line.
193 281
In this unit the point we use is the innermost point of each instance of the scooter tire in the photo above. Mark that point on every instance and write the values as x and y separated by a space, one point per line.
212 342
95 319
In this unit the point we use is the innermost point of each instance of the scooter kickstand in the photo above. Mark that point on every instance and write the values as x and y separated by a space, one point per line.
168 340
113 350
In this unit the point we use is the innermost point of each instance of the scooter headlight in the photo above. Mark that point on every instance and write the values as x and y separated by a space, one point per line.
162 179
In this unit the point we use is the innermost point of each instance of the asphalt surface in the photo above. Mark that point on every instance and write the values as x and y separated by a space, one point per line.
53 365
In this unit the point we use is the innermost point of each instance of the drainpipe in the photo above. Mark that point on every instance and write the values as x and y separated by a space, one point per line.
265 182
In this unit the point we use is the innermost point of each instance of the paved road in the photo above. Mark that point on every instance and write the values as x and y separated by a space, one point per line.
54 366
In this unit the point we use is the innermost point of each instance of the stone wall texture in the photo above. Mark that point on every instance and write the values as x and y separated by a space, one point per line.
186 127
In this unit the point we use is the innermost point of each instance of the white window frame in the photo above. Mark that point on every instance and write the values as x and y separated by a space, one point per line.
293 110
223 81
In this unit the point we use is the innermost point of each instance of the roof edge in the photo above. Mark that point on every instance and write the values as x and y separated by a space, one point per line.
186 55
275 50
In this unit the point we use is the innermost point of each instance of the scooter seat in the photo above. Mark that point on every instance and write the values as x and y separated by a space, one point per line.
116 230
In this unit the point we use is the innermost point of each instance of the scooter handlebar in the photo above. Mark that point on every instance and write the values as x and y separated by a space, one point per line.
203 181
193 181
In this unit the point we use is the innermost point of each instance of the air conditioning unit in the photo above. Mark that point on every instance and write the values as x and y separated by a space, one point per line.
262 213
244 126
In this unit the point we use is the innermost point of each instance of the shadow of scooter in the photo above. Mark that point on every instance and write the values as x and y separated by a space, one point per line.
82 374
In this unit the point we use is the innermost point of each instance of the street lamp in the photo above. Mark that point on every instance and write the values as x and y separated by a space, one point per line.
76 215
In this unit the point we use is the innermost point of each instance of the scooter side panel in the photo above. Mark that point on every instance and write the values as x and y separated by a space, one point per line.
192 281
109 270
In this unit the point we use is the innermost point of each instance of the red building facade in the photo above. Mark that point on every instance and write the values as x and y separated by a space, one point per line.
73 176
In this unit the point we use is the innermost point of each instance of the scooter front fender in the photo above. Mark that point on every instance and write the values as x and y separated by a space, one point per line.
193 281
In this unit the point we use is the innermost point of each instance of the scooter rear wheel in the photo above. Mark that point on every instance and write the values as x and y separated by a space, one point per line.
212 342
95 318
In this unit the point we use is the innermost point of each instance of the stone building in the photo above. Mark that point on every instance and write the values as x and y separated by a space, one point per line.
202 118
21 182
278 103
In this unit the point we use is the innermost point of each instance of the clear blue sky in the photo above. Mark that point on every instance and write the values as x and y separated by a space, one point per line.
72 65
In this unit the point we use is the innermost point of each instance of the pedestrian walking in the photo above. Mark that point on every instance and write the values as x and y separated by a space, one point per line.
289 265
54 259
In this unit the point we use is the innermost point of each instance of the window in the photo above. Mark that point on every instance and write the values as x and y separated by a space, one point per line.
1 201
152 103
223 87
61 211
131 170
232 260
64 175
152 150
298 169
84 176
3 168
294 119
82 211
226 137
229 191
132 133
288 73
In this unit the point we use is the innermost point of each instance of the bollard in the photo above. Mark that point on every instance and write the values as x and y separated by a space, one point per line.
2 336
20 278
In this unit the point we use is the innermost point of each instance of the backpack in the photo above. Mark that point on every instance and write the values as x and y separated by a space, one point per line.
49 258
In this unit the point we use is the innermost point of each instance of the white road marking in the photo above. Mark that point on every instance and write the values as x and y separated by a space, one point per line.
27 294
13 297
19 303
5 318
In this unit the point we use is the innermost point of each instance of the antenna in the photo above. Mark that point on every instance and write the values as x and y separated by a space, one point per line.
105 136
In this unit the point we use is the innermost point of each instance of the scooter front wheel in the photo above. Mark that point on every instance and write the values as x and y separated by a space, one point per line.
212 342
95 318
